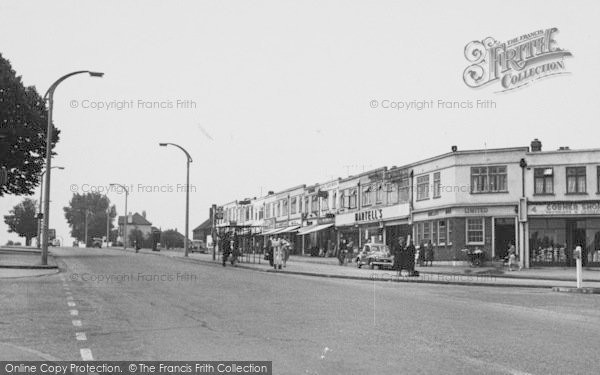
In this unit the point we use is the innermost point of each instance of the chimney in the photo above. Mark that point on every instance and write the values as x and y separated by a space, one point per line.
144 214
564 148
454 148
536 145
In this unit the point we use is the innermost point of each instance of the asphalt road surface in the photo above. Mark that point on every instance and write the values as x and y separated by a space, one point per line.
148 307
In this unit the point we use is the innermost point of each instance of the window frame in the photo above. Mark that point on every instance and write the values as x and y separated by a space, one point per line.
467 230
423 181
437 185
577 175
483 178
544 178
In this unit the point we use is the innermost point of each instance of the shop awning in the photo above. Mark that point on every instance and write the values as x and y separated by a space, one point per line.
290 229
272 231
314 228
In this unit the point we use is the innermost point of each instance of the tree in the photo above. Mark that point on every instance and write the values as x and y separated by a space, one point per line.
171 238
95 206
23 124
22 220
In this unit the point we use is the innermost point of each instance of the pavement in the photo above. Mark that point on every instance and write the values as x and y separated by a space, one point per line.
117 305
16 262
481 276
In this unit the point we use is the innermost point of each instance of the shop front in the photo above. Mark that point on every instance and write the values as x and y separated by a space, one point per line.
380 225
491 229
556 228
318 237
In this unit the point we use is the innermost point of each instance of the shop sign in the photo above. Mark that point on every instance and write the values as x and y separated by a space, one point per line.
476 210
565 208
371 215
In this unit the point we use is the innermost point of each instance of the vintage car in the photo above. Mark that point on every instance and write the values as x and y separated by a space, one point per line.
375 254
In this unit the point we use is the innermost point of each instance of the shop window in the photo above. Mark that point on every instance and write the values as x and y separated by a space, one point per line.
314 204
423 187
543 180
367 196
404 187
352 198
442 232
426 231
293 205
392 193
576 180
475 231
437 185
325 203
284 207
489 179
379 194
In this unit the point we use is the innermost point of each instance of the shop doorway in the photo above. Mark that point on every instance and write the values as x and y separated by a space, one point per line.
575 237
504 234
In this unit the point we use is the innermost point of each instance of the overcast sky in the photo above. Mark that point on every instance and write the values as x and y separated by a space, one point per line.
281 91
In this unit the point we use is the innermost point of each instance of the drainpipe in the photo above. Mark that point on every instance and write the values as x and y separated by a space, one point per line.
523 227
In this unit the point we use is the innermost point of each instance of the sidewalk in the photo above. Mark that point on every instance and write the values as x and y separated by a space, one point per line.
24 262
533 278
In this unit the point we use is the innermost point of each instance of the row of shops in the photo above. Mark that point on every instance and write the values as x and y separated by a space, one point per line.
547 237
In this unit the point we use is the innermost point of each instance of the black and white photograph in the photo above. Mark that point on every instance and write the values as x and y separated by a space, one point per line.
293 187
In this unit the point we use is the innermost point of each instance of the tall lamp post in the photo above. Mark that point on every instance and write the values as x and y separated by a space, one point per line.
125 235
39 232
50 97
187 193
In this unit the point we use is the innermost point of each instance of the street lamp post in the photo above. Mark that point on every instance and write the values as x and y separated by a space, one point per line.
50 97
39 232
125 236
187 193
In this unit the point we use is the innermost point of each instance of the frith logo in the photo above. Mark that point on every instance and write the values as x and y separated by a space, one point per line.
515 63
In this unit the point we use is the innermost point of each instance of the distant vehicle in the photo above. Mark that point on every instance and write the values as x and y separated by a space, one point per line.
97 242
375 254
198 246
55 242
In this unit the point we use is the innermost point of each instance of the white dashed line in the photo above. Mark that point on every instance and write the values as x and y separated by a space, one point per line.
71 304
74 312
86 355
80 336
77 323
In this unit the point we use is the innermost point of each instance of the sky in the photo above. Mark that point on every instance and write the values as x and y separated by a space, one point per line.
267 95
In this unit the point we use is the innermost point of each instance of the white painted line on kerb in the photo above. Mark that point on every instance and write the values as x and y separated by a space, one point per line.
80 336
86 355
77 323
74 312
71 304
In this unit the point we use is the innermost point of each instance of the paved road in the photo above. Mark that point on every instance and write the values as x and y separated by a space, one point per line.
304 325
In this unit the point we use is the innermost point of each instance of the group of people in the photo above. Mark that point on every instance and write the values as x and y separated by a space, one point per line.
426 254
277 250
230 247
404 256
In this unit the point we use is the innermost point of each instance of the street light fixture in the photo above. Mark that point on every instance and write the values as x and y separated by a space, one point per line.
50 97
39 232
125 235
187 193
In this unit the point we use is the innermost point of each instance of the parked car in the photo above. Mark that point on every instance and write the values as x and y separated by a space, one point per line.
97 242
375 254
198 246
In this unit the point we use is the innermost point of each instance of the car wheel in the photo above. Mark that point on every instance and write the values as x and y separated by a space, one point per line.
371 265
358 265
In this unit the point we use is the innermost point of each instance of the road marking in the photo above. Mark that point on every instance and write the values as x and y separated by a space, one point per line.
80 336
71 304
74 312
86 355
77 323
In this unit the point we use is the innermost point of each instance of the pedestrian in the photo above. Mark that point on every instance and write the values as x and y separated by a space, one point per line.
226 247
269 250
512 255
285 246
398 252
422 251
429 254
277 253
235 249
342 252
